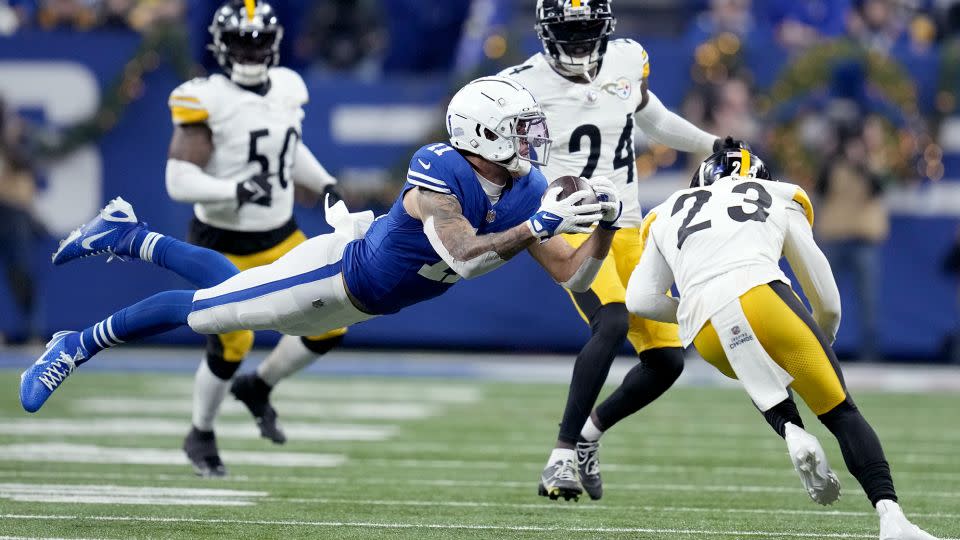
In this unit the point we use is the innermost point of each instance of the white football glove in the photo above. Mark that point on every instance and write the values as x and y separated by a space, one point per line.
562 216
609 197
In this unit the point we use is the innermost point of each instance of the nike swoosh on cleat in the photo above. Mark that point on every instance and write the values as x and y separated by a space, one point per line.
86 243
425 165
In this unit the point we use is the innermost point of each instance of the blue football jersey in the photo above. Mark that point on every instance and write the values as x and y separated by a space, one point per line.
394 265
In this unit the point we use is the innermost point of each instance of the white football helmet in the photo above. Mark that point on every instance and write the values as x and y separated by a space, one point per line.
499 120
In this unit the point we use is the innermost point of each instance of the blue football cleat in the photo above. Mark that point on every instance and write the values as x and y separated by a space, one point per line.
111 231
49 371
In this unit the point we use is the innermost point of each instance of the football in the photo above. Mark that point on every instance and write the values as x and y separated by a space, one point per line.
571 185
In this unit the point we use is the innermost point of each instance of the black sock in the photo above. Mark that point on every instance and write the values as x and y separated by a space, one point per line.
657 371
609 325
321 346
861 451
781 413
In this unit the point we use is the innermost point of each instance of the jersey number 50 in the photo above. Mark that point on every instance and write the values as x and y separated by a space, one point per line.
290 140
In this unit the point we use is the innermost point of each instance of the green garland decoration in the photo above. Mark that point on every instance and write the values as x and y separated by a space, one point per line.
167 42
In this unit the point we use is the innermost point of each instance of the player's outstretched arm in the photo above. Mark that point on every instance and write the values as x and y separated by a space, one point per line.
574 269
646 291
190 150
455 240
309 173
666 127
812 269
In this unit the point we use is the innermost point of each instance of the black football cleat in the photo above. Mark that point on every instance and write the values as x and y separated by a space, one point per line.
255 394
201 450
559 479
588 463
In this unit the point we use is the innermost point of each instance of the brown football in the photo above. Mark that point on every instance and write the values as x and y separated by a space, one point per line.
571 185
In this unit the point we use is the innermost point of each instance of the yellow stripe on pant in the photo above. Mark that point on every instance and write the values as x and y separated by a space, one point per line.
237 344
789 341
610 287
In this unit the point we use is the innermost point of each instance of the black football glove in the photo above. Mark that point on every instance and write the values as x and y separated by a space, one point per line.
729 143
333 192
255 190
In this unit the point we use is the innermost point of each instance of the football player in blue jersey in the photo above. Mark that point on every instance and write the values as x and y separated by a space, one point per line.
466 208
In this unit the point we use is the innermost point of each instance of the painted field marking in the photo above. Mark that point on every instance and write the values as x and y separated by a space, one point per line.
648 469
82 453
399 410
439 526
88 427
114 494
347 390
331 479
599 507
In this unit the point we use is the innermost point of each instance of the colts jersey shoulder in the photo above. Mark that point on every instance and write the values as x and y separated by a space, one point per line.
439 167
631 58
196 100
289 86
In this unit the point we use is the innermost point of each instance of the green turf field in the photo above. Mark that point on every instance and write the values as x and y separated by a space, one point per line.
436 458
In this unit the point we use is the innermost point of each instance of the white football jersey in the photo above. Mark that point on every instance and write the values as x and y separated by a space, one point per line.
251 134
722 240
592 124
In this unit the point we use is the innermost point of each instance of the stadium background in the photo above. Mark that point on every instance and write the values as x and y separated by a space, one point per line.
85 85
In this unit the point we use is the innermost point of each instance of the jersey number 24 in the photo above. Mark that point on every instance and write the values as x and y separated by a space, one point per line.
622 156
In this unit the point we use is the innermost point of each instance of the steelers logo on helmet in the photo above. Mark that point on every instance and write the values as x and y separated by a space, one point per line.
574 33
730 162
246 40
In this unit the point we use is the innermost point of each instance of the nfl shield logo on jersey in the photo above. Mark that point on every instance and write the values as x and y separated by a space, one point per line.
491 216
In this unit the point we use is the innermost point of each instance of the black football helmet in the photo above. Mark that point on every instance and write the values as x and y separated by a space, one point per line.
246 40
574 33
730 162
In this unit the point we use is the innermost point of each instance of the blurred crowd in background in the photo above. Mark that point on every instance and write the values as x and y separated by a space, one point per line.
861 93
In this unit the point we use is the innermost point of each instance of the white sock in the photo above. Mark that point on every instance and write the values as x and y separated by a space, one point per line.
886 506
287 358
208 393
562 454
590 431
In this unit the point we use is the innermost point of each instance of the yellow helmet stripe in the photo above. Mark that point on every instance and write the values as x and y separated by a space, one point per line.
251 8
576 3
744 162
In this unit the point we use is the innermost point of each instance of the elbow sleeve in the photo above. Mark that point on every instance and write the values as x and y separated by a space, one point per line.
666 127
582 279
186 182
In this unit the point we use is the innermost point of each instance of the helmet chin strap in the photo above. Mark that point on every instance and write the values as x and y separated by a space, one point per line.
248 74
517 166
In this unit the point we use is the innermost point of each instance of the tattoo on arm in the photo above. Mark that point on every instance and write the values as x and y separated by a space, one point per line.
192 143
459 237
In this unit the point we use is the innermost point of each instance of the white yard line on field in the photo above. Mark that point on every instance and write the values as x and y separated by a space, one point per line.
81 453
598 507
328 478
648 469
125 406
440 526
114 494
317 389
84 427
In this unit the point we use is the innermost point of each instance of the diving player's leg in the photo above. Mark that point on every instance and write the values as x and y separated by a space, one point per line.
115 231
292 354
68 350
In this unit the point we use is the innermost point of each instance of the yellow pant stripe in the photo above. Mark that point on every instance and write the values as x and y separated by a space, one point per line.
610 287
791 344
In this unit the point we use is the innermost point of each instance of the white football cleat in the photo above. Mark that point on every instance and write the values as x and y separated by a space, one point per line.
895 526
810 461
